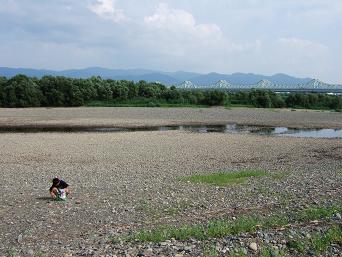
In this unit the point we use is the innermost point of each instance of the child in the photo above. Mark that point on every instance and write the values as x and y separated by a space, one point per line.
59 189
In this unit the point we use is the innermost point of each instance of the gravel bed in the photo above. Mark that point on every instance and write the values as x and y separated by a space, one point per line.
140 117
123 182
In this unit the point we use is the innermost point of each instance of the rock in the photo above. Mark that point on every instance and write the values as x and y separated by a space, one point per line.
338 216
20 238
148 251
253 246
188 248
30 252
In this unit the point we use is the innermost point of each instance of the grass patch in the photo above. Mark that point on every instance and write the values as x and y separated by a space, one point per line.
210 252
11 253
321 242
317 213
222 228
269 252
297 245
225 178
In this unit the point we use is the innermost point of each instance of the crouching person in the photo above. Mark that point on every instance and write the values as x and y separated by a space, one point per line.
59 189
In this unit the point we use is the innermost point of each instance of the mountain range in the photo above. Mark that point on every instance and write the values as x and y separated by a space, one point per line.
167 78
184 79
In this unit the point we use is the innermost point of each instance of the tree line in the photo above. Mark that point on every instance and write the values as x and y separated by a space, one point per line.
51 91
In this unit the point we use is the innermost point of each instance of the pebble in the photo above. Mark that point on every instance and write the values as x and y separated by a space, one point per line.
253 246
20 238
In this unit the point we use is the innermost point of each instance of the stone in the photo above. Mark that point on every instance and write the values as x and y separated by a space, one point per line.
253 246
148 251
20 238
338 216
30 252
188 248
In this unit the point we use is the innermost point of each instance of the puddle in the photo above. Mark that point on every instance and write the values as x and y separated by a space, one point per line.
229 128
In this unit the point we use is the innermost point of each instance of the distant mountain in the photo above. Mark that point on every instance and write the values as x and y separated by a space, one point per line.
215 80
10 72
247 79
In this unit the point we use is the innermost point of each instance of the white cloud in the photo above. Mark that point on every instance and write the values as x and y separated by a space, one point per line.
180 21
107 9
301 44
296 37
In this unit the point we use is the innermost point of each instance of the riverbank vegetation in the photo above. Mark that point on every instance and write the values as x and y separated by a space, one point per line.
50 91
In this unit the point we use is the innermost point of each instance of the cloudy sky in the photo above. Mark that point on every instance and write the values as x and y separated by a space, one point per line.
298 37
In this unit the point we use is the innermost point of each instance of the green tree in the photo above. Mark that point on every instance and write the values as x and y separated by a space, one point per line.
215 97
3 81
119 90
21 91
52 90
87 89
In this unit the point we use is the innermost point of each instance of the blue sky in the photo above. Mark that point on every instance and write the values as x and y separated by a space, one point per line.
297 37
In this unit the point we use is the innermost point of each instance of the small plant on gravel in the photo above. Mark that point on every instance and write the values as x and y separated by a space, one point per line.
175 209
269 252
239 253
11 253
226 178
321 242
143 206
243 224
297 245
275 221
210 252
315 213
39 254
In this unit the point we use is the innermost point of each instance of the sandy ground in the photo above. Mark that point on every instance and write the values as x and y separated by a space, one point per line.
134 117
125 181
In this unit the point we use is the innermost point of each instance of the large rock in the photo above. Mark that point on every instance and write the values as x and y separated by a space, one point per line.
253 246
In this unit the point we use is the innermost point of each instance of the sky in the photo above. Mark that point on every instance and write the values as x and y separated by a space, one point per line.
298 37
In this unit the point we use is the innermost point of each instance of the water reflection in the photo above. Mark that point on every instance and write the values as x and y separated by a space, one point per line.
228 128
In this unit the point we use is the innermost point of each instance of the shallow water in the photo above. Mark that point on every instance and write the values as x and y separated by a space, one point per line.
229 128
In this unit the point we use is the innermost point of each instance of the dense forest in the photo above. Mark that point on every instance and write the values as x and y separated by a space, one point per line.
50 91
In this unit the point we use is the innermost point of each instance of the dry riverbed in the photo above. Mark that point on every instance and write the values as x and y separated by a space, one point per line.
142 117
124 182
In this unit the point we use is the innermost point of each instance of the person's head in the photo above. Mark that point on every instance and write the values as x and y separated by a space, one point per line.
55 181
